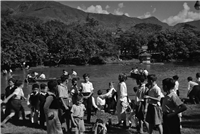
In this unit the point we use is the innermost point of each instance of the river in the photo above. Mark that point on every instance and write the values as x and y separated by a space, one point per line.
101 75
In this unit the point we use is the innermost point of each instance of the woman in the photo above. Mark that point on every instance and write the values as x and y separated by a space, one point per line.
122 101
51 107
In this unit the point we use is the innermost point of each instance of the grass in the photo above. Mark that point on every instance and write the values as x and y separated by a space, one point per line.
190 123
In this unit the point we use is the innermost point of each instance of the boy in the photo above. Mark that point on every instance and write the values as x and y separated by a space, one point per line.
77 114
42 98
34 103
171 107
100 102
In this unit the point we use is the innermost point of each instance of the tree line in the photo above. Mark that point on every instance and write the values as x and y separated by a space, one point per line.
31 40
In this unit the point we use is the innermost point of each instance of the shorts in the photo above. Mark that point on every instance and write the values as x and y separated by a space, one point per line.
80 125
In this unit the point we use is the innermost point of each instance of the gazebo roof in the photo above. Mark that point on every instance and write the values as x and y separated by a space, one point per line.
145 54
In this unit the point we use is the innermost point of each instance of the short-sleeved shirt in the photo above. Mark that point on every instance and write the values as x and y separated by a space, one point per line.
155 92
63 91
141 92
78 110
87 87
122 91
171 101
19 93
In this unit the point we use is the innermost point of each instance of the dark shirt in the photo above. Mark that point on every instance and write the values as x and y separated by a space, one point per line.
34 99
55 103
42 98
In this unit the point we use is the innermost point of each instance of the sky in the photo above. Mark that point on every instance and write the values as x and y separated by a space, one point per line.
170 12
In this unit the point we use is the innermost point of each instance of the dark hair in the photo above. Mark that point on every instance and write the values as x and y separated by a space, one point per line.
135 89
175 77
74 79
152 77
42 86
35 86
79 98
11 79
99 92
189 78
122 77
18 83
52 85
197 75
169 83
86 75
63 78
142 78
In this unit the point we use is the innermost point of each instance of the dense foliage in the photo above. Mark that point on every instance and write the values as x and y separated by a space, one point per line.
30 40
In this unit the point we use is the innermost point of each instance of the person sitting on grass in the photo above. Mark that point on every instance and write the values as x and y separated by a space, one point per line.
100 102
171 106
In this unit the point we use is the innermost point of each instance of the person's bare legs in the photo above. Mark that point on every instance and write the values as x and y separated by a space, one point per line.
7 118
160 129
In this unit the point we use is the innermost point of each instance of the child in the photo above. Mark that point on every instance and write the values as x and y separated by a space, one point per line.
171 107
191 84
100 102
74 90
175 77
42 98
111 98
34 103
77 114
153 109
141 102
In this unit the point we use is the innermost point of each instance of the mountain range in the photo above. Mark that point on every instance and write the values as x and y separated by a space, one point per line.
51 10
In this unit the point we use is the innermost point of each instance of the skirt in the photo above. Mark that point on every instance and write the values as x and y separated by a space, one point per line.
53 123
154 115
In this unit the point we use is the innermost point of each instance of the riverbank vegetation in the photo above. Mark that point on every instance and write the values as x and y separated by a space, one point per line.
31 40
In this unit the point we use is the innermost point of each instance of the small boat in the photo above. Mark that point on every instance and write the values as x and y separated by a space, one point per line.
32 80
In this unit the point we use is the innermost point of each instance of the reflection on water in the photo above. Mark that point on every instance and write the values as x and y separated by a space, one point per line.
101 75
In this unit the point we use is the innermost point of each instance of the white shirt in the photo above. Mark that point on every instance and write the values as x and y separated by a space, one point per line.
100 102
176 85
42 76
191 84
63 91
19 93
146 72
87 87
122 91
74 73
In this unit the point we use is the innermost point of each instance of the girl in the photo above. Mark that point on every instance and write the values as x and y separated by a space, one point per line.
171 107
16 104
77 114
153 109
122 101
74 91
51 107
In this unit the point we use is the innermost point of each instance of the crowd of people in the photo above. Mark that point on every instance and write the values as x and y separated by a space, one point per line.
56 103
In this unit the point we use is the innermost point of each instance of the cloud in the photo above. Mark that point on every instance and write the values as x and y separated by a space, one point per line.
183 16
120 5
154 10
94 9
107 6
146 15
118 10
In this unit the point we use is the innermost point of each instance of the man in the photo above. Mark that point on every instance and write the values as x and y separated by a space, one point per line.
64 111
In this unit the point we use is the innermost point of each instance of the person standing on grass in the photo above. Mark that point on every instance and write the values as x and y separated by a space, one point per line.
74 91
171 107
51 107
176 88
87 92
64 111
8 91
198 78
77 114
122 101
141 102
153 108
16 103
42 98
